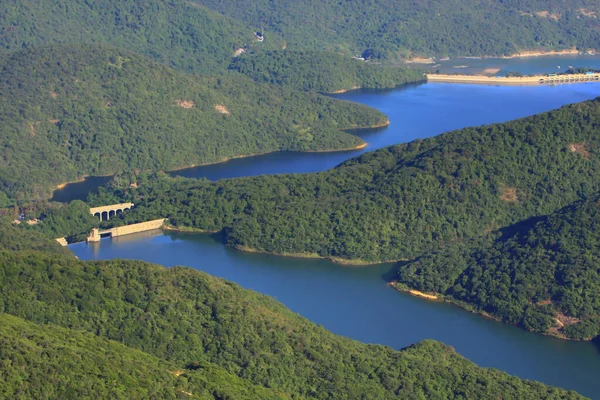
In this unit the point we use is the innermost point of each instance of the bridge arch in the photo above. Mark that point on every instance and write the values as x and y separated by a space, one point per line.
105 212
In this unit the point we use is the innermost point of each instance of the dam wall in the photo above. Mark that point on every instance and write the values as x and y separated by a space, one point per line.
515 80
135 228
96 234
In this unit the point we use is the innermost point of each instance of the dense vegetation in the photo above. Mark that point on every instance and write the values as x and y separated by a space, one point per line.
70 111
388 28
220 339
399 202
46 361
542 275
177 33
14 239
321 71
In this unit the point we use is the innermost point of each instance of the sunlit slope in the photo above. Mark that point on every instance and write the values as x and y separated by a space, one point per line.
71 111
392 28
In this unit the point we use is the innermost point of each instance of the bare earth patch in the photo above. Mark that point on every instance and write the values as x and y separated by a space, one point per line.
53 95
220 108
491 71
33 128
563 320
547 15
587 13
579 148
509 194
423 295
420 60
185 103
239 52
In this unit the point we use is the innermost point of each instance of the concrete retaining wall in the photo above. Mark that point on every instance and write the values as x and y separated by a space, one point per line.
135 228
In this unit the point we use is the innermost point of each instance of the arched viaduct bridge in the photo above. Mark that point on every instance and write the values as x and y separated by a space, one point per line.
105 212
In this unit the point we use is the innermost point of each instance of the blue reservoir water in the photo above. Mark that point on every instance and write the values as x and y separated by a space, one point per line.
415 112
356 302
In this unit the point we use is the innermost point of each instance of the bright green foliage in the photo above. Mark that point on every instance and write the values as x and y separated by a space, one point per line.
528 274
176 32
321 71
388 28
46 361
399 202
69 111
186 318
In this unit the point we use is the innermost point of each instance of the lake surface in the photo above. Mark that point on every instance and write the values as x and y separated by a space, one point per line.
416 111
357 303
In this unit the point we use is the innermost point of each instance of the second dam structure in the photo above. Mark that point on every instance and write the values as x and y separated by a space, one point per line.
96 233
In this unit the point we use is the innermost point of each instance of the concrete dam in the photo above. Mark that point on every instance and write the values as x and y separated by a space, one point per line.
552 79
97 234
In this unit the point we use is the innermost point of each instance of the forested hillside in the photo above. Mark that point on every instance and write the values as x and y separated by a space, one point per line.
392 28
46 361
321 71
543 276
177 33
70 111
399 202
128 329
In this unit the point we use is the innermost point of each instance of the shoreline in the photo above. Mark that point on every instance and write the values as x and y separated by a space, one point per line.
78 180
225 159
185 229
359 147
521 54
382 125
344 90
541 53
314 256
464 306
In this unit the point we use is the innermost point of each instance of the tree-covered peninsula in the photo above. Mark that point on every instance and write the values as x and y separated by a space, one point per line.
541 274
399 202
76 110
128 329
321 71
388 29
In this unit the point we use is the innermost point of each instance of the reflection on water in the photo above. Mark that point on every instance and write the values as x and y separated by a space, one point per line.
79 190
